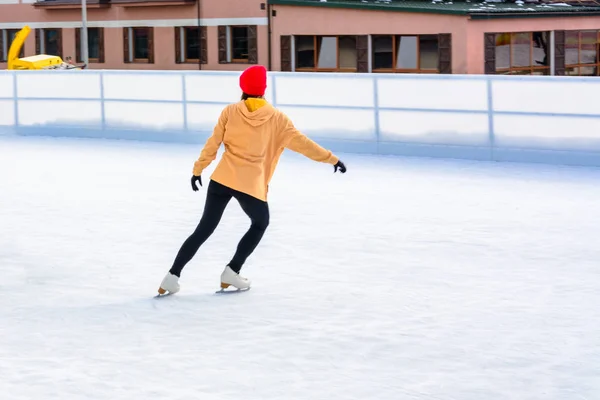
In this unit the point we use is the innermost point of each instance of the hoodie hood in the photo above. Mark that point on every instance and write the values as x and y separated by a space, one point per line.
255 111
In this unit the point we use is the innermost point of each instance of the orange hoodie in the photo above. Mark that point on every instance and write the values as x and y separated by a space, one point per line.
254 134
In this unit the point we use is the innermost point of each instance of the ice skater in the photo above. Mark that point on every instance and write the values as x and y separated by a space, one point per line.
254 134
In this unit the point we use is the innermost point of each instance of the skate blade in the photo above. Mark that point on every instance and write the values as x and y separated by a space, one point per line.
231 291
167 294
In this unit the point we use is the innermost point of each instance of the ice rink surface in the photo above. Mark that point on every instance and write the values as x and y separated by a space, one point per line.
402 279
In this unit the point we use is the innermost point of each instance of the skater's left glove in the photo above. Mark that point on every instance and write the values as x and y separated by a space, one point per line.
194 180
339 165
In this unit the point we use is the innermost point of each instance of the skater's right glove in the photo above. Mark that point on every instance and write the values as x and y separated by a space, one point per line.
194 179
339 165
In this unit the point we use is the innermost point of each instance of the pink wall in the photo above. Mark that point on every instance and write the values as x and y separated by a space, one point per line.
477 28
68 43
232 8
336 21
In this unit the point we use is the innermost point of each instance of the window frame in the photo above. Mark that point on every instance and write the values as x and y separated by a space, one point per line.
225 44
579 65
230 44
184 42
101 50
5 44
41 41
129 45
417 70
316 68
181 35
516 70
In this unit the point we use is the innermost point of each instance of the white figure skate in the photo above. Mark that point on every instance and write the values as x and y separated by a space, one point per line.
170 284
231 278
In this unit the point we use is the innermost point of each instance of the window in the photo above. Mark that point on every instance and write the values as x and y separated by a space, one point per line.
141 44
95 45
522 53
138 45
49 41
238 44
325 53
582 53
190 44
405 53
238 37
6 38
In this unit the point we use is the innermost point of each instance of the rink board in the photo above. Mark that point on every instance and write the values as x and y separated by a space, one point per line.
482 117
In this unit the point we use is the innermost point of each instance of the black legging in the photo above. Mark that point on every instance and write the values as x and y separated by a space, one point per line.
217 198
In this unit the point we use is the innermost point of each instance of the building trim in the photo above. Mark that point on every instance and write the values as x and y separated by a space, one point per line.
456 9
367 7
153 23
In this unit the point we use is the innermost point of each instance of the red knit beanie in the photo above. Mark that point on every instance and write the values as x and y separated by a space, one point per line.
253 80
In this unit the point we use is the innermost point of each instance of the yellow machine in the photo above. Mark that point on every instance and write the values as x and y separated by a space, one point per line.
40 61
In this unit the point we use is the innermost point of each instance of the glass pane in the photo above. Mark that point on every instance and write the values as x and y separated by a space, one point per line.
572 71
192 44
51 45
140 43
588 71
502 51
11 36
406 52
348 54
571 47
94 43
383 55
428 52
588 53
305 51
541 50
521 49
11 33
239 43
327 52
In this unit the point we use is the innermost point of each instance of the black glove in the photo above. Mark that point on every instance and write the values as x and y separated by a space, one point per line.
339 165
194 179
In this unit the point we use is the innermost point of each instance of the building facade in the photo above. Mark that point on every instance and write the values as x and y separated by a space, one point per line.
439 36
142 34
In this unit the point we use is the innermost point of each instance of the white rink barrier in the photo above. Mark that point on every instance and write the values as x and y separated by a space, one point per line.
484 117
